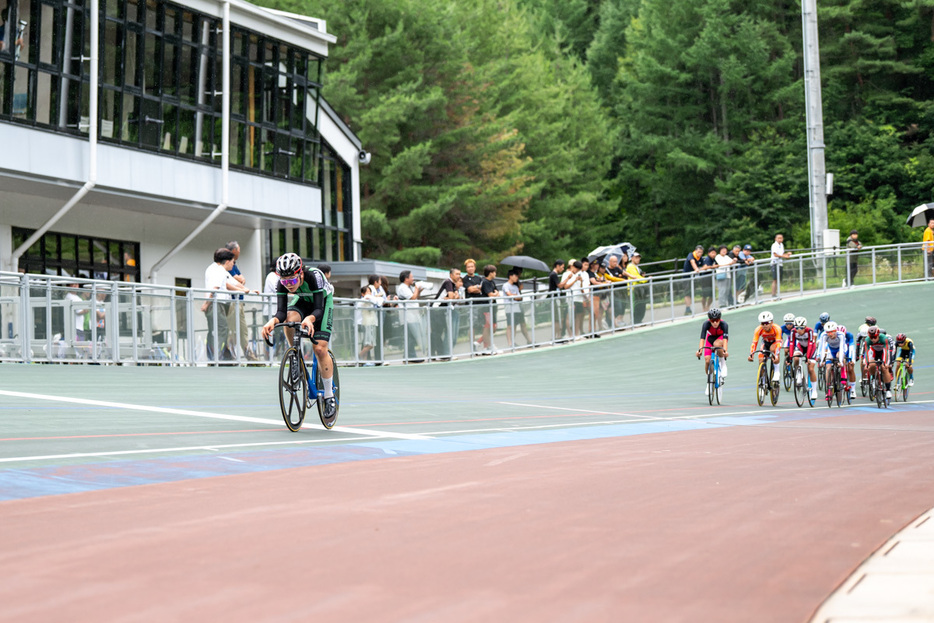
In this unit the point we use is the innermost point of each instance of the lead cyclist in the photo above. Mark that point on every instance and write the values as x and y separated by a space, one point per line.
304 295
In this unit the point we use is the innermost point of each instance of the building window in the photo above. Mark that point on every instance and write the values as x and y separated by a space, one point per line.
332 239
72 255
161 78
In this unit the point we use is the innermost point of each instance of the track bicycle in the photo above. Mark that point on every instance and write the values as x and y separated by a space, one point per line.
802 384
299 387
834 382
714 376
877 388
764 386
900 386
788 376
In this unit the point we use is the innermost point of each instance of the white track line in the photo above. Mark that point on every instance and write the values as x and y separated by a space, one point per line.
522 404
205 414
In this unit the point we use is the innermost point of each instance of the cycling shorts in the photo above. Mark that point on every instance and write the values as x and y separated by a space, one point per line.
323 325
708 345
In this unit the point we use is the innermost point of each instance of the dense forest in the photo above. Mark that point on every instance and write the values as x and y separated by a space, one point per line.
548 127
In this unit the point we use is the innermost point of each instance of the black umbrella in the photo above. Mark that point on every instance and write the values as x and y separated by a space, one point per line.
524 261
921 215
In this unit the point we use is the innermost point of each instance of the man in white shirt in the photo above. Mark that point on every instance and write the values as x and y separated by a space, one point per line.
407 290
778 256
573 282
217 277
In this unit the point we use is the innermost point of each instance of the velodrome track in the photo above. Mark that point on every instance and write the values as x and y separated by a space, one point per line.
589 482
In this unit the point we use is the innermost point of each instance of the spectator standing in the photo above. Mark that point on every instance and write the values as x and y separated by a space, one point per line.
237 311
853 245
409 292
573 283
489 292
80 312
708 264
616 275
515 315
448 295
216 308
693 264
722 277
744 284
928 246
369 317
778 256
472 294
640 293
554 291
599 283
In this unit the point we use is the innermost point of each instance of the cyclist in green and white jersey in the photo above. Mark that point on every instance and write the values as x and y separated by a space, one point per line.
304 295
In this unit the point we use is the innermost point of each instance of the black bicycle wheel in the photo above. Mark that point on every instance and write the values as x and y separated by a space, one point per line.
879 390
821 381
293 387
711 384
800 385
762 384
329 422
904 387
718 383
775 388
787 376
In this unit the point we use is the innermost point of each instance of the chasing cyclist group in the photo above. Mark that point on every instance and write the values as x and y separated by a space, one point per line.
820 346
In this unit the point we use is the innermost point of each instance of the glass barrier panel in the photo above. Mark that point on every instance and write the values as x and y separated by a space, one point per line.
11 321
640 301
812 269
661 306
886 265
344 341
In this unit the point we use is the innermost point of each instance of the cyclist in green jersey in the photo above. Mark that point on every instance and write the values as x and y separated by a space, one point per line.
304 295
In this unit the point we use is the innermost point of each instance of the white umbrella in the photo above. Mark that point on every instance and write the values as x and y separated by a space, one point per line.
921 215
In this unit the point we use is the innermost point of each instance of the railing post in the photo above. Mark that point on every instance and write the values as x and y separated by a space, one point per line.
134 325
115 315
873 266
671 294
823 260
801 276
755 282
25 322
48 318
651 301
189 322
173 328
849 275
427 307
899 256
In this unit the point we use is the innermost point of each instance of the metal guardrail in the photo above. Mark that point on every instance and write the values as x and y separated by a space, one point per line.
48 319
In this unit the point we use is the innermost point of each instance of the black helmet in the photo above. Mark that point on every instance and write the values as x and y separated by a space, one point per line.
714 314
871 321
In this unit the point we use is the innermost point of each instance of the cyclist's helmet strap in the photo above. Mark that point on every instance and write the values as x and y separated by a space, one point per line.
288 265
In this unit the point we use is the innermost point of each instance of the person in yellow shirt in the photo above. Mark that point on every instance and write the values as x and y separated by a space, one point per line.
928 247
640 294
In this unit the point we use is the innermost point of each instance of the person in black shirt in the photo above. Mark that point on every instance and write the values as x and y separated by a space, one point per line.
554 279
709 264
472 292
447 295
489 292
714 334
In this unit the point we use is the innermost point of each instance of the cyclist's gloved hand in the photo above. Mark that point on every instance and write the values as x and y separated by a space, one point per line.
749 358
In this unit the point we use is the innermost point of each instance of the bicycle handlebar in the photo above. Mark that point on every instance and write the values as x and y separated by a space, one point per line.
302 333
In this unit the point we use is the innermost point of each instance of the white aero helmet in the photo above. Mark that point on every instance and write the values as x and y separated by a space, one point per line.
864 329
765 316
830 326
801 322
789 318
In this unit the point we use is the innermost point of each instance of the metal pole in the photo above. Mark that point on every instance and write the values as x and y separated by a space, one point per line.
817 175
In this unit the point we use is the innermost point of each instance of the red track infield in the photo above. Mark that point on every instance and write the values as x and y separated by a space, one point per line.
730 524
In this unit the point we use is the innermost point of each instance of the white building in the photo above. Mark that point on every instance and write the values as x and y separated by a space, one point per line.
196 123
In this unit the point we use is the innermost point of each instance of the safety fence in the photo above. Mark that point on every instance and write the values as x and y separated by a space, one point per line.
65 319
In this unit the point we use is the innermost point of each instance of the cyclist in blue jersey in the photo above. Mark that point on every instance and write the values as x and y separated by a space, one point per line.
830 346
788 329
850 356
821 321
304 295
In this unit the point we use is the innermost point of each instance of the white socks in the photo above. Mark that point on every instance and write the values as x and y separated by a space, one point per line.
328 387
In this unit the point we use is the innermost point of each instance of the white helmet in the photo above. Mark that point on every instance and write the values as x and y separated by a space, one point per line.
830 326
841 328
288 265
864 329
765 317
789 318
801 322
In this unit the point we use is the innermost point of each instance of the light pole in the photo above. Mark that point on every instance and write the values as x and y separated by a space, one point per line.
817 174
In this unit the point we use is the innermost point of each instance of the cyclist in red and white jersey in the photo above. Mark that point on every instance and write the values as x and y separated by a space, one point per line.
803 343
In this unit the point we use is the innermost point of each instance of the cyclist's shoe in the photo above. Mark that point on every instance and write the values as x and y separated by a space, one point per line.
723 370
330 408
813 393
911 382
852 394
707 389
888 394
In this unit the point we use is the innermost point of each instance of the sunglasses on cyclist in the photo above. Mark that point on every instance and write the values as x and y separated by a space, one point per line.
765 324
290 281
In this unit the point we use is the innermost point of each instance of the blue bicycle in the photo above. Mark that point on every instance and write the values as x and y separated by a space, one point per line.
714 377
299 387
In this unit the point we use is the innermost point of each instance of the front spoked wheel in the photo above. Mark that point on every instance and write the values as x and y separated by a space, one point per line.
328 422
800 386
773 394
293 386
904 386
762 384
711 385
879 390
787 376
